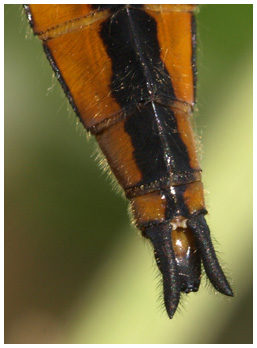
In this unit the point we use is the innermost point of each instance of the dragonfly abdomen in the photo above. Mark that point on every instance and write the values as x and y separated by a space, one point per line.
129 73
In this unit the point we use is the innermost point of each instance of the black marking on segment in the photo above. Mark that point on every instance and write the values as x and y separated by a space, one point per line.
175 151
201 231
62 81
147 144
103 7
193 59
175 202
139 75
29 15
160 236
158 148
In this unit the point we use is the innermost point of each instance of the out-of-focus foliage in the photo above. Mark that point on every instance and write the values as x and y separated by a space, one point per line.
75 271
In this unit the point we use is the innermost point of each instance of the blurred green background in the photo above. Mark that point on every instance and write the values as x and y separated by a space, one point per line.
75 270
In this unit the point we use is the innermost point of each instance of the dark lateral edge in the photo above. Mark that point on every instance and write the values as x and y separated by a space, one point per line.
29 15
62 81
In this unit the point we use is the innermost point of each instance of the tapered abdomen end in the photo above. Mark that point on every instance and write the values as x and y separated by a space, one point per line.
179 254
178 261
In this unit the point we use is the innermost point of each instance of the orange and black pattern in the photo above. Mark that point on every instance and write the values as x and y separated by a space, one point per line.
129 73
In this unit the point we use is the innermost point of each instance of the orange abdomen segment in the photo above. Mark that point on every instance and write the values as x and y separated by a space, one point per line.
175 38
50 17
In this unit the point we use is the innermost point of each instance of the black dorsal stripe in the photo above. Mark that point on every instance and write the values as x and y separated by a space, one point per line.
130 37
139 79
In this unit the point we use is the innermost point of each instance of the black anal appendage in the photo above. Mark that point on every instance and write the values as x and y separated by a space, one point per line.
173 280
